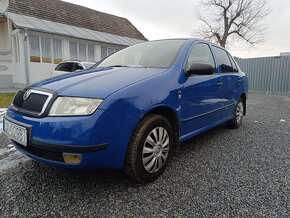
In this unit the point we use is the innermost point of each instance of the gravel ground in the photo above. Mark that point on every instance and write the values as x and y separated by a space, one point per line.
222 173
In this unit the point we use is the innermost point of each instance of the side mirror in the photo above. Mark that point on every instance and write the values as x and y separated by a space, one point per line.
200 69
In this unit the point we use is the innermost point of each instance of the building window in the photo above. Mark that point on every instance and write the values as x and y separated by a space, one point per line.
73 49
91 53
16 49
46 50
105 51
57 51
34 48
82 52
111 51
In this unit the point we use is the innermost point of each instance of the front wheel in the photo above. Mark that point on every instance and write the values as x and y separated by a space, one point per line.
237 120
150 149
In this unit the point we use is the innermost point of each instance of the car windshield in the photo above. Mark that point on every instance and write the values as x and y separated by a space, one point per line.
156 54
88 65
66 66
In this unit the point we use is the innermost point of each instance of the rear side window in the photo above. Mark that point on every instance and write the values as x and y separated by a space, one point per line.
78 66
200 54
69 67
224 60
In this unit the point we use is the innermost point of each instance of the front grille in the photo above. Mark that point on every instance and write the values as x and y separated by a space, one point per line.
18 99
49 155
33 104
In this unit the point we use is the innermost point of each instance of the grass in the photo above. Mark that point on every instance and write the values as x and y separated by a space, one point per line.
6 99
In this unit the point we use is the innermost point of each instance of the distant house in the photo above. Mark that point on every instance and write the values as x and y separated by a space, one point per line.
36 35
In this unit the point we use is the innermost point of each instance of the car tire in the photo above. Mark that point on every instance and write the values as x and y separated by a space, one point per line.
150 149
238 115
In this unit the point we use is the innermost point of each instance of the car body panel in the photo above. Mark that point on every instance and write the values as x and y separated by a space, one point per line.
102 82
84 131
129 94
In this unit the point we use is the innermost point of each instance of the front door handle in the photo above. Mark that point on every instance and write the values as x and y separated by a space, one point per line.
219 83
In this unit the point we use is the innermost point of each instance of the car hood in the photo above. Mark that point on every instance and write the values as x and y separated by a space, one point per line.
97 83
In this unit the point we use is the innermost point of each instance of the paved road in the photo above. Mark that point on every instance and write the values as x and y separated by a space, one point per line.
223 172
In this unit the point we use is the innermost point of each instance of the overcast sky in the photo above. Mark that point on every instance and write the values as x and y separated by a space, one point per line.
158 19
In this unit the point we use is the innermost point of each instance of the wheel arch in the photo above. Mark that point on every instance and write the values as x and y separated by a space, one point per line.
172 117
244 98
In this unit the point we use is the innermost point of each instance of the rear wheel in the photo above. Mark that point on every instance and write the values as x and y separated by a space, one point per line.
237 120
150 149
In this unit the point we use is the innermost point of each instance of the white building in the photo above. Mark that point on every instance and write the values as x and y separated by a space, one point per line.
35 35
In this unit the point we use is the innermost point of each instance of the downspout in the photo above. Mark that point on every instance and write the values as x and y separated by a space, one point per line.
26 60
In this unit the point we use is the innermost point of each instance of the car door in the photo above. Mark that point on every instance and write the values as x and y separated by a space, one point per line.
201 95
231 80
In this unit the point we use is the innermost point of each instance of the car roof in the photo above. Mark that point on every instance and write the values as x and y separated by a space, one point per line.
76 61
191 40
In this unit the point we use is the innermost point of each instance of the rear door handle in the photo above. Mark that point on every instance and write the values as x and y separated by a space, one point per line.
219 83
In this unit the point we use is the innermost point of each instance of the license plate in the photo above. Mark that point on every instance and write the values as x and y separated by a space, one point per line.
15 132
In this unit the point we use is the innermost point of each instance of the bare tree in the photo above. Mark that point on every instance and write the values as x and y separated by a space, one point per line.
225 21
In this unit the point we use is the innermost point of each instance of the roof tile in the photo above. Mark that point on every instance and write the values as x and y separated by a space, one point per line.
75 15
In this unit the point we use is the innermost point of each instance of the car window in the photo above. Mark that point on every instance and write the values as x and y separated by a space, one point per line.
155 54
235 67
200 54
67 67
88 65
223 59
78 66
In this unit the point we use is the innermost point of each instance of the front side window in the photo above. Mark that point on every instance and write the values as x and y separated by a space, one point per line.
224 60
200 54
34 48
156 54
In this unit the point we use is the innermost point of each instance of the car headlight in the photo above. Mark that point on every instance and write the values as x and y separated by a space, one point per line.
71 106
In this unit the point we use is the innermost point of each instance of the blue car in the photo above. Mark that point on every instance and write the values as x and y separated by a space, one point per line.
131 110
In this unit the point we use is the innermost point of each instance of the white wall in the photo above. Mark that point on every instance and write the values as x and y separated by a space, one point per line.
19 74
6 66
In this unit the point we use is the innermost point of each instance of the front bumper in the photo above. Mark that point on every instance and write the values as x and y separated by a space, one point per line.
101 139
